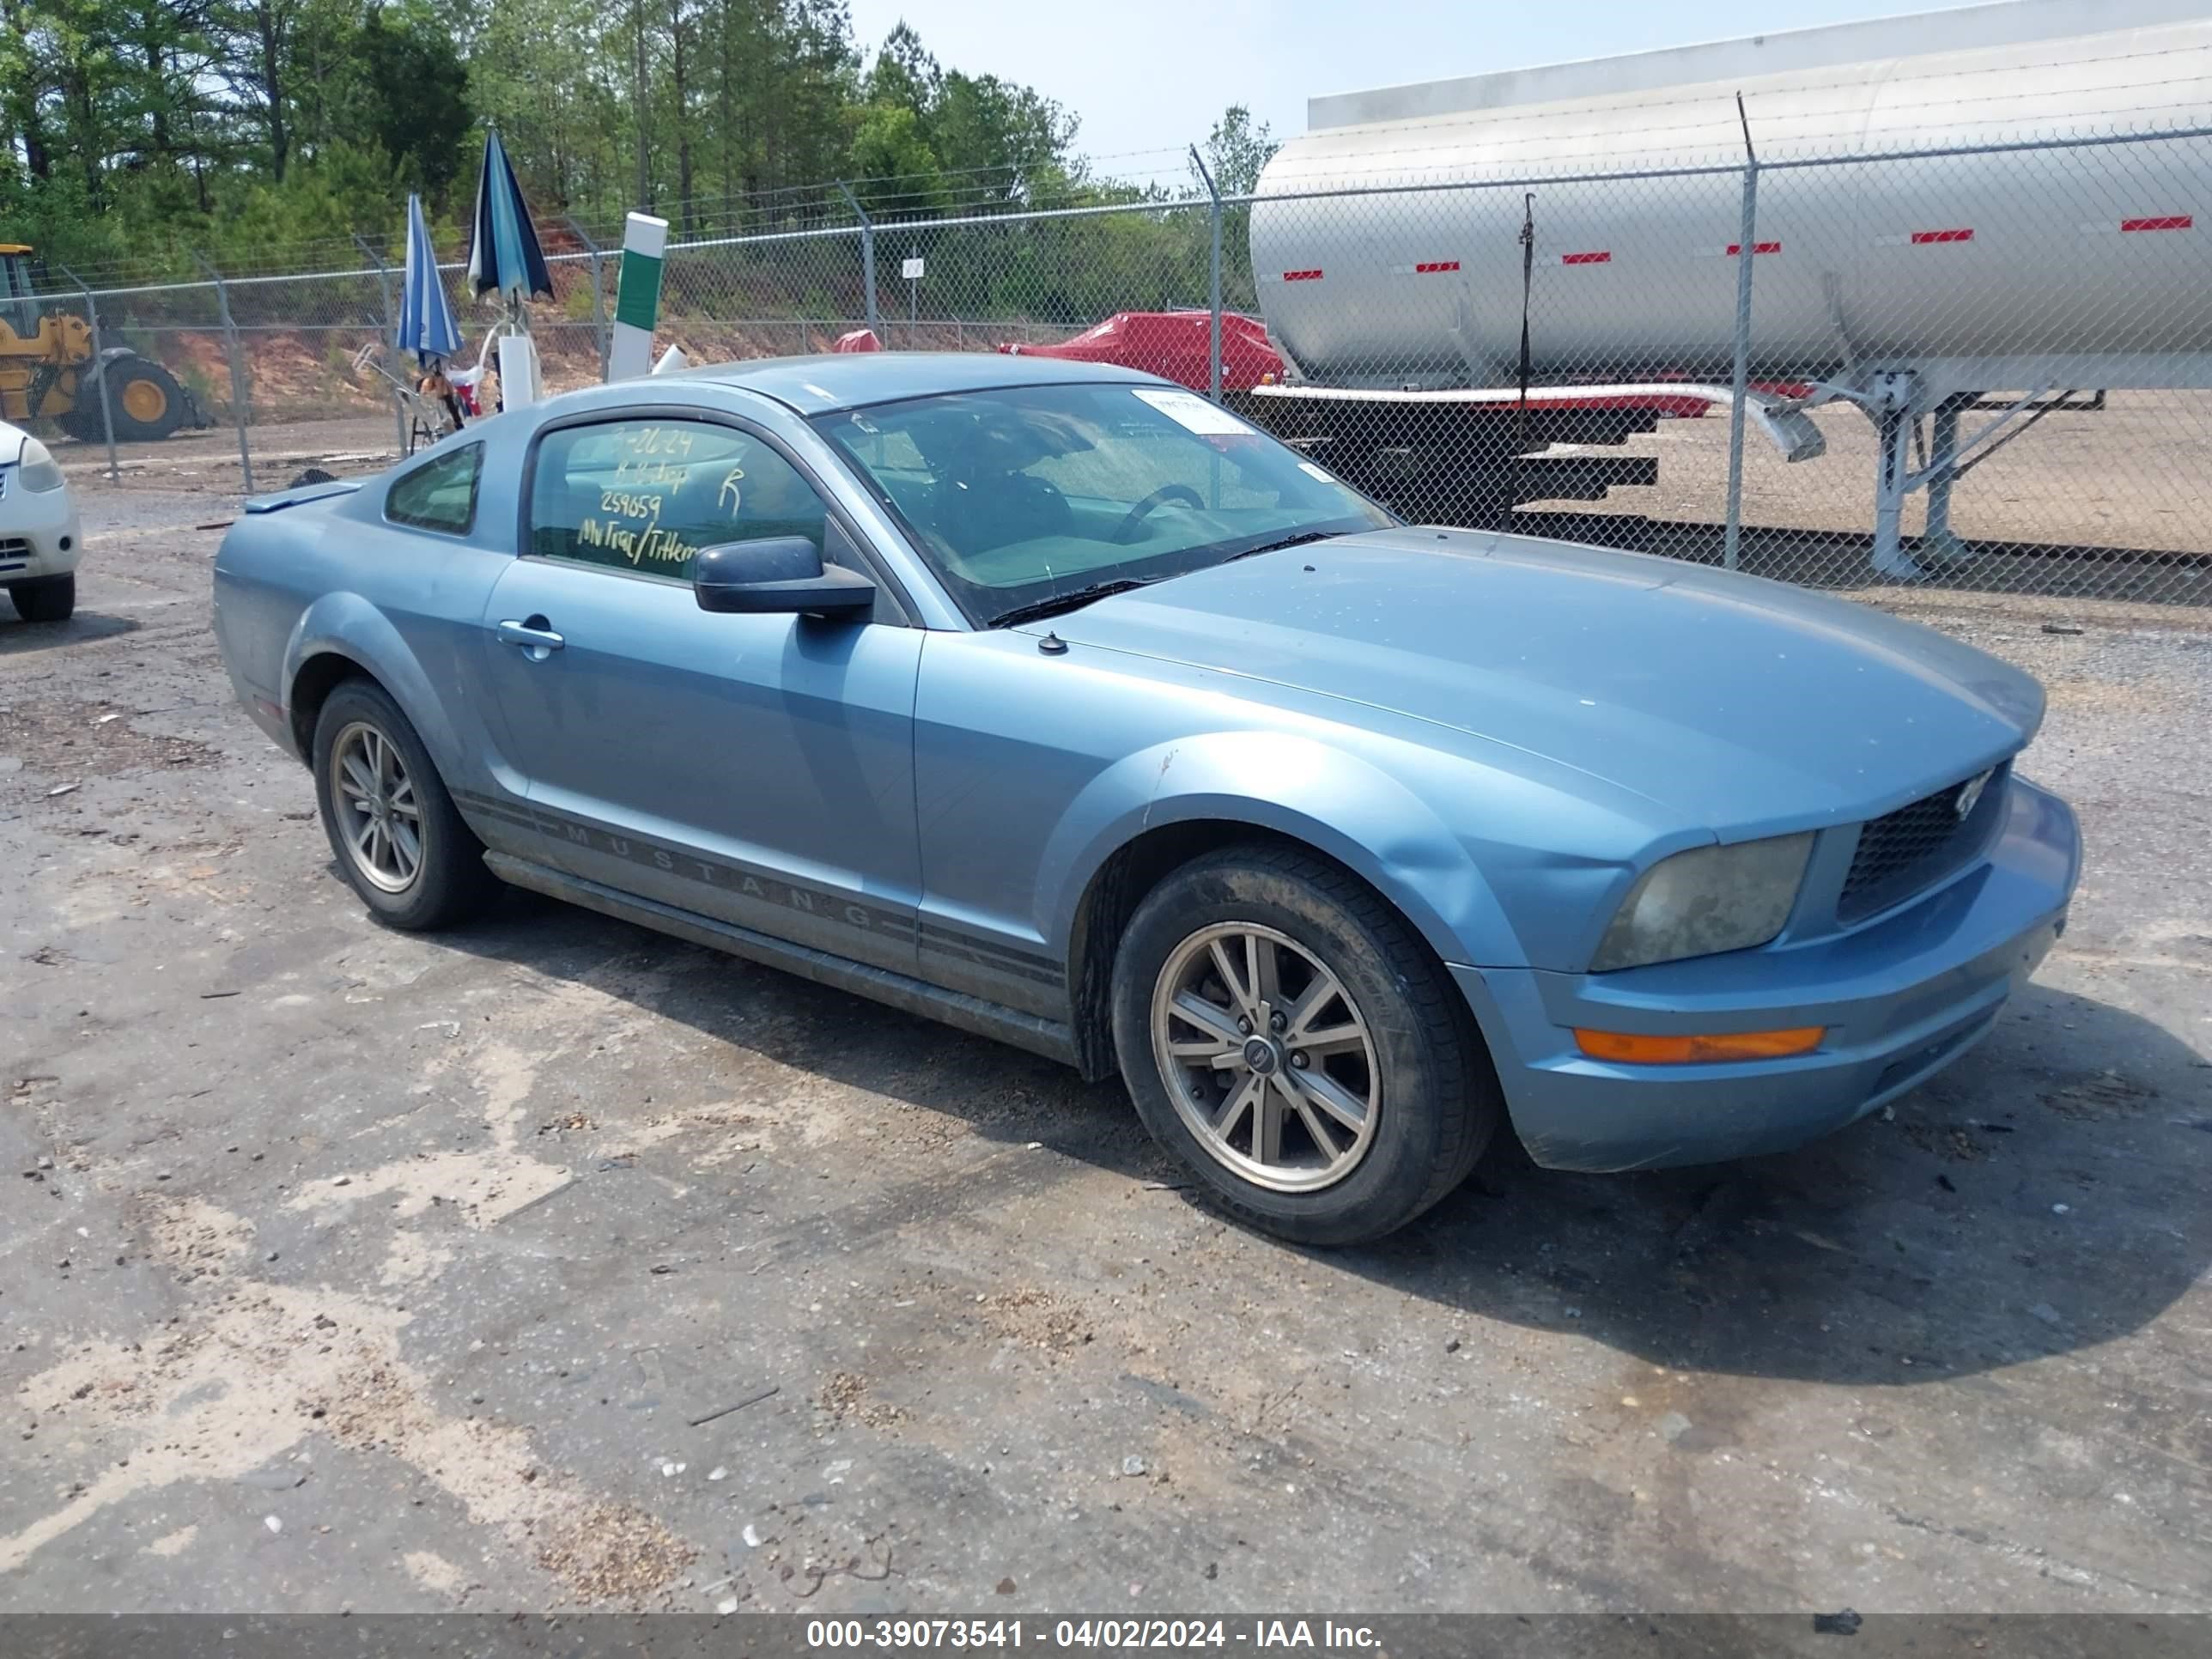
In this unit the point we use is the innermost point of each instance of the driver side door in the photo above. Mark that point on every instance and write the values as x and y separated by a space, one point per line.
757 769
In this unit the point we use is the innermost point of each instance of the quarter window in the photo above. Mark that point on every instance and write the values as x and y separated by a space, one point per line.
645 496
440 495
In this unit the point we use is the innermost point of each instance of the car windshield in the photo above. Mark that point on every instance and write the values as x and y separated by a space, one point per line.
1033 499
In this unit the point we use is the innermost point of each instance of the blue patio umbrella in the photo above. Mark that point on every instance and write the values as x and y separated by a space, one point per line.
426 320
504 257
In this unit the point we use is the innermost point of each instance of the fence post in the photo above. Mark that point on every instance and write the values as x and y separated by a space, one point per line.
390 332
1740 377
598 292
238 383
867 258
99 375
1213 273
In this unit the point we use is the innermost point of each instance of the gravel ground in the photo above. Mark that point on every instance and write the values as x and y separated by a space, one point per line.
553 1264
191 462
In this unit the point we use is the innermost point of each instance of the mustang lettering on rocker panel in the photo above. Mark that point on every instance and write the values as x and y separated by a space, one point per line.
768 888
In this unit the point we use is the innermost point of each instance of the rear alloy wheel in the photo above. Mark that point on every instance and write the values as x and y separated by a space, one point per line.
45 599
398 837
380 814
1285 1033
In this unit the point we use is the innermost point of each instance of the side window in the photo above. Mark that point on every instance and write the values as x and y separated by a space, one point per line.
440 494
646 495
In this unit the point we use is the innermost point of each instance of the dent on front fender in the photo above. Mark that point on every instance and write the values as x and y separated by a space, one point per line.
1338 803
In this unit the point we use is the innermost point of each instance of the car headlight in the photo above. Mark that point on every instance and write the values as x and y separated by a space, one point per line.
1707 900
37 469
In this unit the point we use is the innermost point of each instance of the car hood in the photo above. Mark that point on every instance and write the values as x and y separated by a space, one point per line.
11 443
1753 706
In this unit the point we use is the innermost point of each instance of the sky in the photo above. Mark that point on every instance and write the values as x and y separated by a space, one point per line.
1149 76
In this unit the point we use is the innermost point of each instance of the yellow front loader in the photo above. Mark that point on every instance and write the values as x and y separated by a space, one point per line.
47 370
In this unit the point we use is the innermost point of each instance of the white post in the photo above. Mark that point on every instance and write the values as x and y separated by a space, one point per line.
518 385
637 297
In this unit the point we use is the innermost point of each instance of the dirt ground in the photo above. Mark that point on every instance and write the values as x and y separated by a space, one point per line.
554 1264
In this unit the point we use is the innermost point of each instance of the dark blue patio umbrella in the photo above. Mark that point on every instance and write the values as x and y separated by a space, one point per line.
504 257
426 319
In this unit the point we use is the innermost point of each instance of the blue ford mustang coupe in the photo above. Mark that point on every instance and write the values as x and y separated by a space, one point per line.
1054 702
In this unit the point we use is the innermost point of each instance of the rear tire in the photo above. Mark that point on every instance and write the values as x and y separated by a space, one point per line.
1354 1094
45 599
394 830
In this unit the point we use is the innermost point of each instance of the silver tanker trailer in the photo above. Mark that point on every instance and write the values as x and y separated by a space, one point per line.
1422 251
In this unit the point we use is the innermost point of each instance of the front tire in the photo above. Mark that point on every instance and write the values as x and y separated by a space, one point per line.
1287 1035
394 830
45 599
143 400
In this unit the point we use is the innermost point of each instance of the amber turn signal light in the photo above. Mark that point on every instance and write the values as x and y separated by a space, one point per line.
1639 1050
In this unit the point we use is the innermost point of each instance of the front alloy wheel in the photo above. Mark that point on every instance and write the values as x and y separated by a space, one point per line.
1295 1042
1269 1060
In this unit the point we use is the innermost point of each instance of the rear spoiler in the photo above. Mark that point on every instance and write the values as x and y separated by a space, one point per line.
304 493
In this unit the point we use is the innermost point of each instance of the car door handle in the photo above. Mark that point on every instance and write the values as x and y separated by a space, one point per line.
533 636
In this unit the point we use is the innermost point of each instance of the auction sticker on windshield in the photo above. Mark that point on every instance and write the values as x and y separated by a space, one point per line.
1188 410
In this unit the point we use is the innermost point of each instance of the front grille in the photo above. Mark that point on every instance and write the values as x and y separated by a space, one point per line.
1902 852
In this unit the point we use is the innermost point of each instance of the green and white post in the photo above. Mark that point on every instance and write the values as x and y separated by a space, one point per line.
637 297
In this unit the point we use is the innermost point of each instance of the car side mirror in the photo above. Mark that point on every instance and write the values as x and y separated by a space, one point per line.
780 575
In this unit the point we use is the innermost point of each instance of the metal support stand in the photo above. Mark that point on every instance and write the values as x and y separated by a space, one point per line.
240 413
1937 541
99 372
867 261
598 293
1891 409
1894 399
384 283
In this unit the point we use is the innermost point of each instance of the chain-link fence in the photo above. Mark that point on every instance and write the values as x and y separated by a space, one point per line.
1986 368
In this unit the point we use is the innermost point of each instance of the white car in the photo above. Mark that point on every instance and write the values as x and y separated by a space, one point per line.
40 539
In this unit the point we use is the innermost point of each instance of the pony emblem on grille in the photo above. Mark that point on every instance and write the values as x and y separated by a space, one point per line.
1969 793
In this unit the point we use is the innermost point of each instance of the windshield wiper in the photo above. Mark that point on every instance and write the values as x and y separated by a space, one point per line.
1073 598
1301 539
1076 597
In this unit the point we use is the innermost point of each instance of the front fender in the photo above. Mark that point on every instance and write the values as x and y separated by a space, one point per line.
345 624
1343 804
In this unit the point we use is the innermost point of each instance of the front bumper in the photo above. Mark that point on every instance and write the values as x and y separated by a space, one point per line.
40 532
1901 998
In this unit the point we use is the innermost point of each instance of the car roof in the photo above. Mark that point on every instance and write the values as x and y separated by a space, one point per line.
834 380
